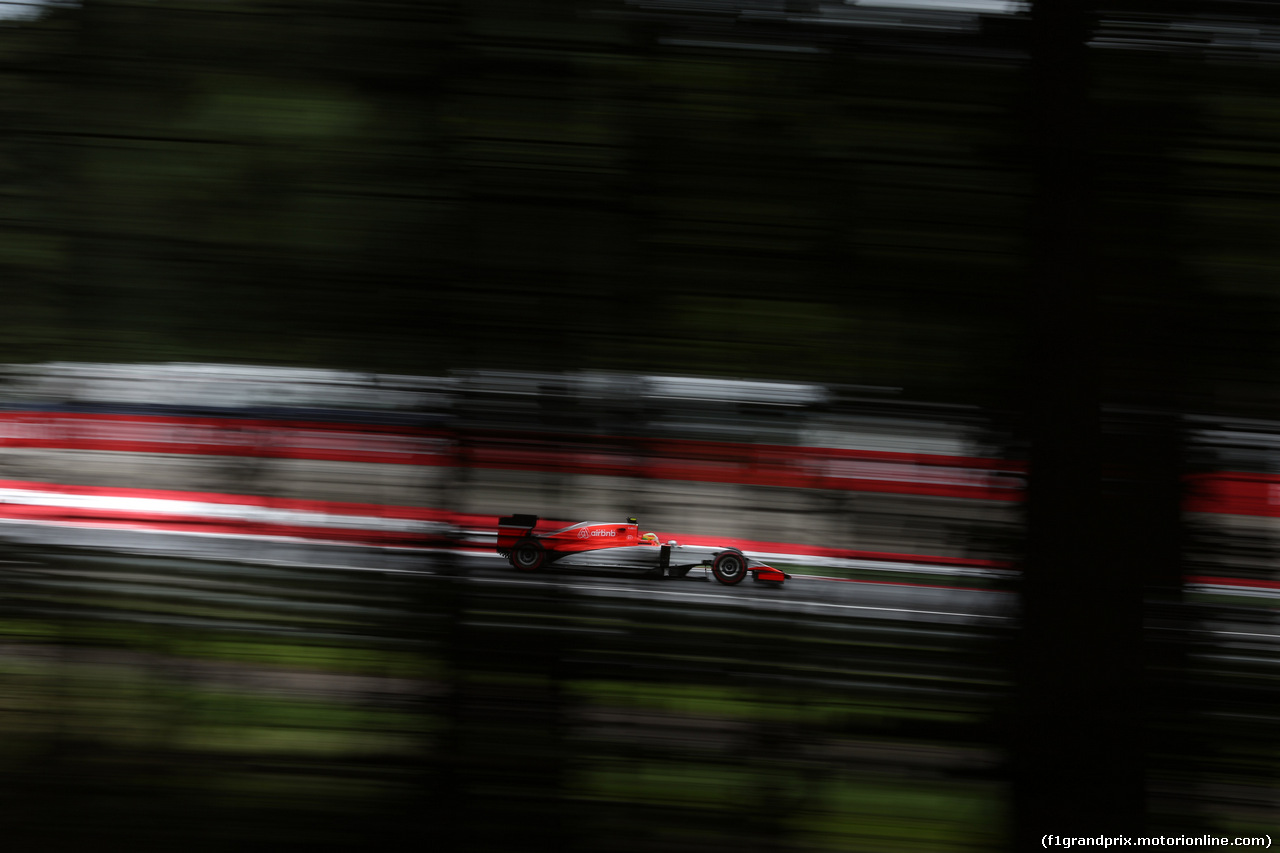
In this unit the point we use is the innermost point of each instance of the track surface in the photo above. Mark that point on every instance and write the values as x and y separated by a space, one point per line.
874 600
231 580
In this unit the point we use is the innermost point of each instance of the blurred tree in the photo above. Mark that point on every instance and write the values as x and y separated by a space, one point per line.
414 187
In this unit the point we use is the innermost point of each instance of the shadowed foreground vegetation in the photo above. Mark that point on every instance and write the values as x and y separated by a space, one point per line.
160 709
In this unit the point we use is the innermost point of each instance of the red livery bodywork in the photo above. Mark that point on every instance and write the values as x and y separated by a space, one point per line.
584 536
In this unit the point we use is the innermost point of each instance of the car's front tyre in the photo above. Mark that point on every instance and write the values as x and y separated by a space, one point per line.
729 567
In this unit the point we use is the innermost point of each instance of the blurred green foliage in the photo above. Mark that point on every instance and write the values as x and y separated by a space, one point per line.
456 715
416 186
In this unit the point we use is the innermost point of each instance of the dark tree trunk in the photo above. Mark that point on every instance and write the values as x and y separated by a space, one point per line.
1077 745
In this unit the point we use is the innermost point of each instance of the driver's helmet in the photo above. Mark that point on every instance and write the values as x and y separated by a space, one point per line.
650 539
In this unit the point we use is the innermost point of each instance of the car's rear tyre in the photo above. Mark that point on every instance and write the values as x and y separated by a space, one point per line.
528 555
729 567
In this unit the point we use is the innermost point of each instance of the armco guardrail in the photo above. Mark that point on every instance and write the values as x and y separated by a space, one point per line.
742 463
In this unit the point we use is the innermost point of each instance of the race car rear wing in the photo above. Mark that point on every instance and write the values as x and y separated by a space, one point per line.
511 528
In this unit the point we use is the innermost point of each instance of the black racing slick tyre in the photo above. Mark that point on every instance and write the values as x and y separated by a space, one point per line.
528 555
729 567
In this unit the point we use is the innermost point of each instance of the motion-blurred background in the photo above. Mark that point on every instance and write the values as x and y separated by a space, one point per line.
964 309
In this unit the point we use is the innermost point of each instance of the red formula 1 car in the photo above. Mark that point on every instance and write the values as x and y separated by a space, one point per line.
621 545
